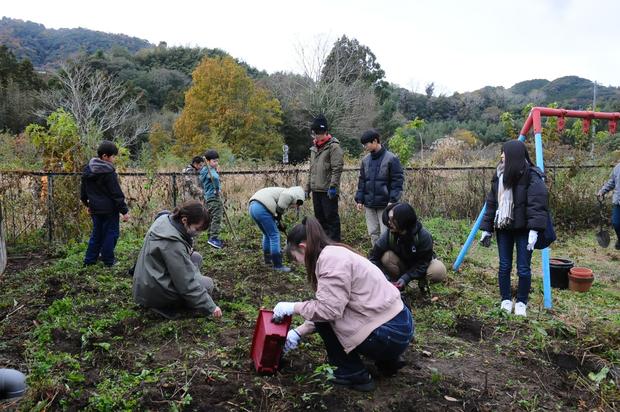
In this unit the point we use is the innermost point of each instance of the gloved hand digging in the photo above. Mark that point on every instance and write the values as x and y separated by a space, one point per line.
292 340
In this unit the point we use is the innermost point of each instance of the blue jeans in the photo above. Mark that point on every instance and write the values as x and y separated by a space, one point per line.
506 242
384 345
103 239
267 224
615 219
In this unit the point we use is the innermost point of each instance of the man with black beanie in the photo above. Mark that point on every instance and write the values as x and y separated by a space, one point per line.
326 163
380 183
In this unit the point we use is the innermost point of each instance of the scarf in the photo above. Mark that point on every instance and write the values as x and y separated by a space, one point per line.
321 142
504 213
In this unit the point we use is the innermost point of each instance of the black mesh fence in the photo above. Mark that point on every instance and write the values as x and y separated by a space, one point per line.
46 207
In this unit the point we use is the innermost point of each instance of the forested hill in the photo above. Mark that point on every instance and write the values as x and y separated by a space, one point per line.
47 47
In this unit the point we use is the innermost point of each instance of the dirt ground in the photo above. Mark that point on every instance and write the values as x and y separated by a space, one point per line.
105 353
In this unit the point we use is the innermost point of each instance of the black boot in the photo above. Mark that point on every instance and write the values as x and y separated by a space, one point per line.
277 263
268 260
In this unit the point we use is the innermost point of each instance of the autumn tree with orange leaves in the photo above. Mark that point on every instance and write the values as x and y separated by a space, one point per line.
225 109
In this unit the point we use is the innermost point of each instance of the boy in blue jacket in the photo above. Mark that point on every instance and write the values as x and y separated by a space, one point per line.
212 189
101 193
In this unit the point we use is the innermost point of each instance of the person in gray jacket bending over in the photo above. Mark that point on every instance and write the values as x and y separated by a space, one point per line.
167 274
266 209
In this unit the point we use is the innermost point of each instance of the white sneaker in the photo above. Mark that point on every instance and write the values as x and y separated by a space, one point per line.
520 309
507 305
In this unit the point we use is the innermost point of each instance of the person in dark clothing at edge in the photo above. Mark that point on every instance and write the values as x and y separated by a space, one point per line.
405 251
101 193
326 163
380 183
516 210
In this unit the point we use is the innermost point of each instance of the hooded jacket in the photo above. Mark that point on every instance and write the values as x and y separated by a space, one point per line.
278 199
100 190
164 275
326 165
414 248
380 181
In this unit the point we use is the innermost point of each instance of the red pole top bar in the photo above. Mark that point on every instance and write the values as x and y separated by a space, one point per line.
546 111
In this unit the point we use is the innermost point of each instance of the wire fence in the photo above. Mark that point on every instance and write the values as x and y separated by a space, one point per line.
46 207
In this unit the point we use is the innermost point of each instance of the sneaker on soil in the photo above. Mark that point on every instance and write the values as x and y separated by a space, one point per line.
520 309
283 269
507 305
215 242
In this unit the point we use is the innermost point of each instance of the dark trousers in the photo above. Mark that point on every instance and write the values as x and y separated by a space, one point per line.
384 345
326 212
615 219
103 239
216 210
507 241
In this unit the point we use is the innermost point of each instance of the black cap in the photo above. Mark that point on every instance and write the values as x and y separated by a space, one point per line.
369 136
319 125
211 154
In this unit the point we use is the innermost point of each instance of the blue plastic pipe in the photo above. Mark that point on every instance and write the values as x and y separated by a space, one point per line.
472 233
545 252
470 240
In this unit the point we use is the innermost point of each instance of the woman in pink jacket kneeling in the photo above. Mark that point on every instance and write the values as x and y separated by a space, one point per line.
355 310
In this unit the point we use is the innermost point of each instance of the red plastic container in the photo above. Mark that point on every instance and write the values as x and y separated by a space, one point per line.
268 342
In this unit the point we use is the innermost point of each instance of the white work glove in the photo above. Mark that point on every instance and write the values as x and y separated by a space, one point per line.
531 239
292 340
283 309
485 239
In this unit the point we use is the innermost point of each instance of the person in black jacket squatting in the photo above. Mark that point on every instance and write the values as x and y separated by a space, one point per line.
405 251
101 193
517 210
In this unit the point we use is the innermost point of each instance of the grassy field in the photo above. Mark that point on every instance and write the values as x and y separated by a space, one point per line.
86 346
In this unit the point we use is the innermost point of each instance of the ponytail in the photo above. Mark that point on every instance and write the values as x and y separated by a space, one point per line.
194 211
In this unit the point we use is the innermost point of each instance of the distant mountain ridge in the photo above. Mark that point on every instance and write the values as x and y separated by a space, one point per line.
48 47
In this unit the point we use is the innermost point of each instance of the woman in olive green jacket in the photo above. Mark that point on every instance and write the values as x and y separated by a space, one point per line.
166 277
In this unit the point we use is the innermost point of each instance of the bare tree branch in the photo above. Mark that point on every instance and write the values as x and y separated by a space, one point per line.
99 103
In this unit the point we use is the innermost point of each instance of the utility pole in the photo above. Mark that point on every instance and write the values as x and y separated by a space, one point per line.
593 121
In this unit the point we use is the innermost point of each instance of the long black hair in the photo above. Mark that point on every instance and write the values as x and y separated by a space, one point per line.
405 217
516 161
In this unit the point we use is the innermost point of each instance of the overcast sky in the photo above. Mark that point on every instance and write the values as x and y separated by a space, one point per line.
458 45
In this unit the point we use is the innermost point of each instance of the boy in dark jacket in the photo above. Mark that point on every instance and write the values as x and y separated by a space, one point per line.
101 193
380 183
405 251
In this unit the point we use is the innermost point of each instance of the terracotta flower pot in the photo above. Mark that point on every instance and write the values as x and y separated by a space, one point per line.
580 279
579 272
